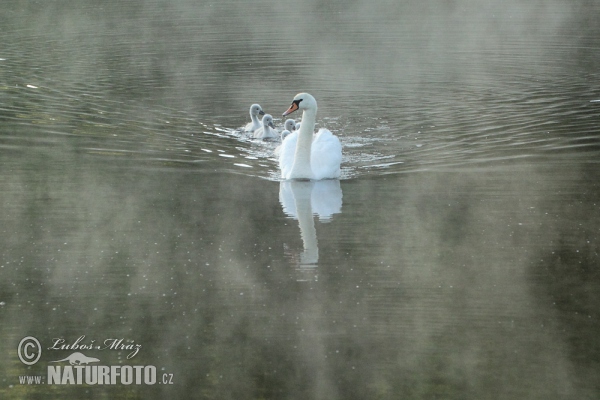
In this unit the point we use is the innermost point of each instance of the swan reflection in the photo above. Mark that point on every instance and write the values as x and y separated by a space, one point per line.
301 200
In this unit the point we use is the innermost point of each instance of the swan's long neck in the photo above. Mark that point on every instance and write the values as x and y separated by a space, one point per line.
255 121
301 168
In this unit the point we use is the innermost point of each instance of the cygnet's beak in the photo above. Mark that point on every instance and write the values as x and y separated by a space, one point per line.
292 108
261 112
271 124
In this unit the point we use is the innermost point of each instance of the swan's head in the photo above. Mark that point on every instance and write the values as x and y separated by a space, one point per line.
290 125
302 101
255 109
268 121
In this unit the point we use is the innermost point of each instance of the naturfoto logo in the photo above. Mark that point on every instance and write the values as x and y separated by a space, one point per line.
79 372
82 368
78 359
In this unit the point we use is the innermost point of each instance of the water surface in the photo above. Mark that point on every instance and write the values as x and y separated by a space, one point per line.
456 258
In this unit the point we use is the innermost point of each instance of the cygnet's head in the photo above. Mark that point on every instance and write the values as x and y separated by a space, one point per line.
268 121
255 109
290 125
302 101
284 134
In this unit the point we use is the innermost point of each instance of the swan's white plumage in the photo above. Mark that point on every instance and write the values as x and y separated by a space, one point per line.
255 111
306 156
325 155
267 130
285 133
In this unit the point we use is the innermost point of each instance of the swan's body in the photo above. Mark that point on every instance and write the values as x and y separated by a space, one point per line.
267 130
306 156
255 111
285 133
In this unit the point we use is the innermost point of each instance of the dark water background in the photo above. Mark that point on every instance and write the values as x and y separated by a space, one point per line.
463 263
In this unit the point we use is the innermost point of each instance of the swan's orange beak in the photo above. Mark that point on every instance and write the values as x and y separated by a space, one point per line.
292 108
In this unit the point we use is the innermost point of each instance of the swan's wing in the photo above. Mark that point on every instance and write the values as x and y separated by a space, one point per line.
273 133
277 151
259 133
251 127
286 154
326 155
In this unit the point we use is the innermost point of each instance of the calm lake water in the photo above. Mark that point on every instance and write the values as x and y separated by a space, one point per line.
456 258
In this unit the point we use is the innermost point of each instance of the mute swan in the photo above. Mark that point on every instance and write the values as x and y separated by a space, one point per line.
267 130
307 156
255 111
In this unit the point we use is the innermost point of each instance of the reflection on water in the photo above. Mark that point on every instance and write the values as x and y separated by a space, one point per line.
303 199
464 264
440 284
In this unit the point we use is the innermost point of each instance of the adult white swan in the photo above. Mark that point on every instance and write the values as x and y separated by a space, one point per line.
307 156
255 111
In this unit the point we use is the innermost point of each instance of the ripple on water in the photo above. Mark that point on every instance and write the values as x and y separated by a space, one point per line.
464 127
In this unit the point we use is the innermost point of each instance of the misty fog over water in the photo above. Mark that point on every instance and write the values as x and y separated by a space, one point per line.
455 258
